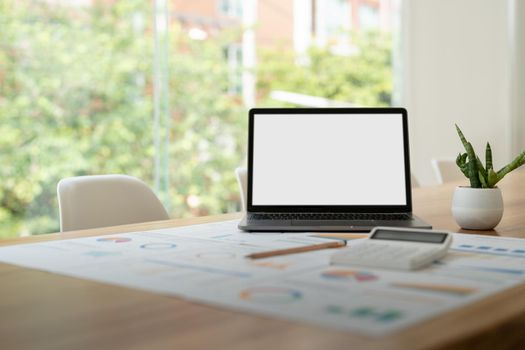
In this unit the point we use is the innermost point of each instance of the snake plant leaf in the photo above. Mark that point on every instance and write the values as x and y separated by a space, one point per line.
472 167
517 162
482 180
458 160
461 137
474 164
461 159
488 157
481 168
522 161
492 178
461 162
467 165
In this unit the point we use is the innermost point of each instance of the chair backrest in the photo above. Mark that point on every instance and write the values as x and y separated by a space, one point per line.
242 180
446 170
106 200
414 181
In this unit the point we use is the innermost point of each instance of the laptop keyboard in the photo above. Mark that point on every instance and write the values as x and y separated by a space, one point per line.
329 216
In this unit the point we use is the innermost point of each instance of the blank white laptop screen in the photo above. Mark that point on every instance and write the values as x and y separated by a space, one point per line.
328 159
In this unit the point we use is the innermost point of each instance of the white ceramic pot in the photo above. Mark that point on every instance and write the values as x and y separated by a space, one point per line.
477 208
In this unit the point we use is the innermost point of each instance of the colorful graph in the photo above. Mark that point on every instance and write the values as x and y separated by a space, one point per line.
222 236
158 246
487 249
215 255
516 272
271 295
272 265
359 276
114 239
206 269
368 313
99 254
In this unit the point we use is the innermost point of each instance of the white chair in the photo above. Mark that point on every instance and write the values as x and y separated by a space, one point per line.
242 180
106 200
414 181
446 170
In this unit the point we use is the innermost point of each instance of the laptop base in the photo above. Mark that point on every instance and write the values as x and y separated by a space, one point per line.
327 225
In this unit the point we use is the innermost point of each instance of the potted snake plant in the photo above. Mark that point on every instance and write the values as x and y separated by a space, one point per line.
480 205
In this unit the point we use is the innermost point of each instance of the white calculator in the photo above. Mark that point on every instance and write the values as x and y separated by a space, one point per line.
396 248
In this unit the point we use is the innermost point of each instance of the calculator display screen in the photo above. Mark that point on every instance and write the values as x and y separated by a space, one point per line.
423 237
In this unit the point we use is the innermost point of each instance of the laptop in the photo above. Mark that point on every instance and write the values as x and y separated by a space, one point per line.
328 169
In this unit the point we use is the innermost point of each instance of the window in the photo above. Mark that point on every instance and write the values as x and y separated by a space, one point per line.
368 17
333 22
232 8
233 55
160 92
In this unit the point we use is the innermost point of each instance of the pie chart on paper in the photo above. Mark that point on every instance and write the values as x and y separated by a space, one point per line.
343 274
270 295
158 246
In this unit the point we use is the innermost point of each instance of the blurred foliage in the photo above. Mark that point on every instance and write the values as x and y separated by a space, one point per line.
69 104
76 98
208 134
363 77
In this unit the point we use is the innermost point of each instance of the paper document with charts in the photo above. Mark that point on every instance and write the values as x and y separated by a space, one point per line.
206 263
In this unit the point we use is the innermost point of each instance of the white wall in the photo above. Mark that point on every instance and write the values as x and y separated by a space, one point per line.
457 69
517 46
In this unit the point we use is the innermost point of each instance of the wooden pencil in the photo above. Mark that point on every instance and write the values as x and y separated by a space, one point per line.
303 249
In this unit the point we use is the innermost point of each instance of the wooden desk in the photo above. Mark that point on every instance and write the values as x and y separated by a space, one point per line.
48 311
